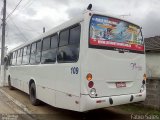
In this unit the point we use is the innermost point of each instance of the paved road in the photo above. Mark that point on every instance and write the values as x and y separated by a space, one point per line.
46 112
10 111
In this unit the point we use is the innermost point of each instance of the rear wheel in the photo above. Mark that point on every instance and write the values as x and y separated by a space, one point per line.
9 83
32 93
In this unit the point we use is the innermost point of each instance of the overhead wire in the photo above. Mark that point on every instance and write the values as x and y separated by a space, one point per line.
13 10
19 29
27 27
25 38
24 7
29 3
10 15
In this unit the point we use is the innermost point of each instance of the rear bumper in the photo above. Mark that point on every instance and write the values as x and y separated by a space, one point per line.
88 103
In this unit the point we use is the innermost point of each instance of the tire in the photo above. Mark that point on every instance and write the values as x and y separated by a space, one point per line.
32 95
9 83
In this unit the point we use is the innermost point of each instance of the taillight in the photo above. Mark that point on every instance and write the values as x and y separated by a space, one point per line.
90 84
89 76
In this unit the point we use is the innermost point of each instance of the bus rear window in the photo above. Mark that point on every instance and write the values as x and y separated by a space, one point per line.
111 33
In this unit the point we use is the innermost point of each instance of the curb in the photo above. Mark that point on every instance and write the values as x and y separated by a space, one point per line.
19 104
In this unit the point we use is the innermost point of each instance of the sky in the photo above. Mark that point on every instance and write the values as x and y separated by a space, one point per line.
31 16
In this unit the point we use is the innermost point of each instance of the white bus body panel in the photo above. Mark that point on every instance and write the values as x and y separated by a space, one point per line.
52 87
108 67
88 103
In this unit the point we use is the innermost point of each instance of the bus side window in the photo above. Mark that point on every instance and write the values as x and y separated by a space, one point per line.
70 52
33 53
28 53
74 42
18 53
15 58
38 52
54 41
19 56
64 35
24 59
75 35
11 59
49 50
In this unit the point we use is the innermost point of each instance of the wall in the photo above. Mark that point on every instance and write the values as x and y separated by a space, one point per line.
153 93
153 64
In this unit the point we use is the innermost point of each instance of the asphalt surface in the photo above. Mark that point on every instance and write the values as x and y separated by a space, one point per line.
10 111
47 112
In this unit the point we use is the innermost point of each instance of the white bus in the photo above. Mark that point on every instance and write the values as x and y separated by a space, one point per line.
90 62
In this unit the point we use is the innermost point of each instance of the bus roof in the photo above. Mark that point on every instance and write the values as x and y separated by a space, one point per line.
65 25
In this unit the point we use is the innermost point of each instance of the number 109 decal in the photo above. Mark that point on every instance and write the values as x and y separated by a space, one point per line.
74 70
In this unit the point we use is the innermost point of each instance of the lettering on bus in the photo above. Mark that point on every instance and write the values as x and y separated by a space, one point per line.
74 70
136 67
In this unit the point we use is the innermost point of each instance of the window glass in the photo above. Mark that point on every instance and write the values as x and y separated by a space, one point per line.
38 57
33 48
19 57
64 35
16 54
25 59
25 51
46 43
68 53
75 35
32 59
21 53
14 59
19 60
54 41
38 46
48 56
33 53
38 53
28 49
13 55
11 58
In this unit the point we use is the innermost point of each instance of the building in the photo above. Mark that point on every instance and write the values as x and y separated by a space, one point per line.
152 47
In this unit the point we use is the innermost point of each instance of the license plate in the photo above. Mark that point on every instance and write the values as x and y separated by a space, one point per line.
120 84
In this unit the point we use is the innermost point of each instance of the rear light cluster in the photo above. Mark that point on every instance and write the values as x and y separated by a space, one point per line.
91 85
89 78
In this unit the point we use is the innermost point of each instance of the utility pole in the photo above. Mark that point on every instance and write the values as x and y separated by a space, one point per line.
2 80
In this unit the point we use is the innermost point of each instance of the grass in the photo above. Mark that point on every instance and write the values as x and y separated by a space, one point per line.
137 109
